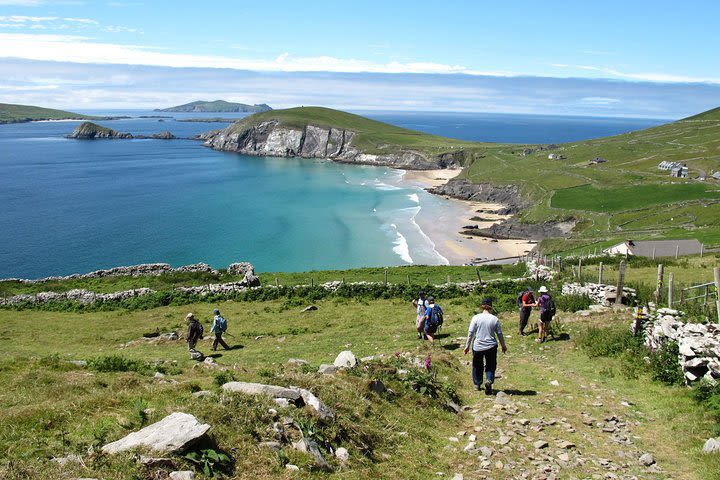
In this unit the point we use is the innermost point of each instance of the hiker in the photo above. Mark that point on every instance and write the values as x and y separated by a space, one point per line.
433 319
547 311
526 302
420 305
219 326
194 333
483 335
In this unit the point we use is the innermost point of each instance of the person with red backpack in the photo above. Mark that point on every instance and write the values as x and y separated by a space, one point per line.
433 319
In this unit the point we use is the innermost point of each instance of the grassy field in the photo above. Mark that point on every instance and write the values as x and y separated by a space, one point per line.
50 407
10 113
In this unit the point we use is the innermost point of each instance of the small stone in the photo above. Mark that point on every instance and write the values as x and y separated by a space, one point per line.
282 402
458 476
342 454
377 386
564 457
469 447
504 440
472 437
271 445
297 361
202 393
712 445
555 383
182 475
454 439
540 444
486 452
309 308
159 375
290 466
327 369
565 445
646 459
345 359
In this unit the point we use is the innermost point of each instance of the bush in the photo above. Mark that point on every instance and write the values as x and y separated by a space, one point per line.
664 365
610 342
118 363
572 303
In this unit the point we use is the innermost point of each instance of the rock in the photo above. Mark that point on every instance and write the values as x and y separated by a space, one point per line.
565 445
504 440
195 355
469 447
282 402
78 363
156 462
458 476
159 375
540 444
564 457
271 445
182 475
173 434
309 308
166 135
486 452
313 402
555 383
260 389
712 445
72 458
345 359
89 131
454 439
377 386
342 454
297 361
646 459
472 437
327 369
202 393
310 447
247 270
171 336
290 466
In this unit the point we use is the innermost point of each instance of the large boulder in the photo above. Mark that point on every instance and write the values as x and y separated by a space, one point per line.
173 434
313 402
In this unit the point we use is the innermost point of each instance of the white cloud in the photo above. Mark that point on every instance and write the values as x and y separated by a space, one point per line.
82 50
25 19
646 77
21 3
599 101
87 21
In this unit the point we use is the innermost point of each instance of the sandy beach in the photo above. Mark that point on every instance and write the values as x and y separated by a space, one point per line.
444 228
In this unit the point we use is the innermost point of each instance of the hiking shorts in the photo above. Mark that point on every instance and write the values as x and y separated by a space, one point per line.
545 317
430 328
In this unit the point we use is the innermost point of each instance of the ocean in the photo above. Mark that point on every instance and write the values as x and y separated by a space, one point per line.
72 206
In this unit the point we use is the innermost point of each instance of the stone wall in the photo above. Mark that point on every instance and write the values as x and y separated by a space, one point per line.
600 294
699 344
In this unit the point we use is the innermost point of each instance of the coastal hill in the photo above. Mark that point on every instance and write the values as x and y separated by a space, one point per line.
314 132
216 106
589 194
12 113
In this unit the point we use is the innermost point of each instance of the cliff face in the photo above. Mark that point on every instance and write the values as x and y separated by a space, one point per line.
275 140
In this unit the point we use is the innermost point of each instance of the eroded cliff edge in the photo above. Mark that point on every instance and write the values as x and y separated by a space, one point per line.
271 138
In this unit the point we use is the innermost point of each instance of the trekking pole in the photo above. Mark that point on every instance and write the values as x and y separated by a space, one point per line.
229 334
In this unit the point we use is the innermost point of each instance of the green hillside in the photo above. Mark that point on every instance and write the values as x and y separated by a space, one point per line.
215 106
625 197
11 113
371 136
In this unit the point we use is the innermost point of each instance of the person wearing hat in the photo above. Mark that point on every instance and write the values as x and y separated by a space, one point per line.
194 333
219 326
484 333
545 314
433 319
527 301
420 305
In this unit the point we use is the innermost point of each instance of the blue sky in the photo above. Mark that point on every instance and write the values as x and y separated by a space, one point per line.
630 58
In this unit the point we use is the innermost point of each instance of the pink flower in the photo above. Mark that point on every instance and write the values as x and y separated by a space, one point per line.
428 362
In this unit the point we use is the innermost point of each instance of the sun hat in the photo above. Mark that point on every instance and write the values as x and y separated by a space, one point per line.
189 316
543 289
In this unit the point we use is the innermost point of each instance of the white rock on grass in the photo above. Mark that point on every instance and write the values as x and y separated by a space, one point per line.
345 359
182 475
712 445
327 369
311 448
260 389
646 459
174 433
313 402
290 466
342 454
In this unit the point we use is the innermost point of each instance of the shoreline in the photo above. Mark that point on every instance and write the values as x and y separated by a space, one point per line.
444 228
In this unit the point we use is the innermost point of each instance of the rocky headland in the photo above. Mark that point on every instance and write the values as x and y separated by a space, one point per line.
91 131
272 138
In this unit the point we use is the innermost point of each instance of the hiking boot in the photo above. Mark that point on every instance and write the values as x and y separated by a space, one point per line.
477 387
488 387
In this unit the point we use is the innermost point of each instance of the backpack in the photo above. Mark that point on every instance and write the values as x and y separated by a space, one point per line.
519 300
550 306
221 323
201 330
436 317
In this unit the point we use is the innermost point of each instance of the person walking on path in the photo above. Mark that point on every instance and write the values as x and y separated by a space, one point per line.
547 310
219 326
483 334
527 302
420 305
194 333
433 319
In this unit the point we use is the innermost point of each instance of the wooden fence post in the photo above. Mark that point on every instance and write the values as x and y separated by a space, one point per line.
670 290
653 257
600 273
677 251
620 284
386 273
552 262
707 294
276 282
580 269
717 291
658 289
477 272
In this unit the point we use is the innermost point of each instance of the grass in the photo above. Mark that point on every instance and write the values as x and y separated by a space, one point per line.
10 113
51 407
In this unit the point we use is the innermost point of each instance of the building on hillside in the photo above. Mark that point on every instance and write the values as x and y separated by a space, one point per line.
656 248
680 172
665 165
597 160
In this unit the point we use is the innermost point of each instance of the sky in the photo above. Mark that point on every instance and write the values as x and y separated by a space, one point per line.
613 58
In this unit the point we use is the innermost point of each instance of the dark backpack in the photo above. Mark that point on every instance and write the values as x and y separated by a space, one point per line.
436 317
520 299
550 306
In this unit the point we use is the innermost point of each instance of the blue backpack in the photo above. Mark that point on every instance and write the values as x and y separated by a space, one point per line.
436 317
221 324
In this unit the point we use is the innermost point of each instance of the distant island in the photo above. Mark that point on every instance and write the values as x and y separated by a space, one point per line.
12 113
216 106
90 131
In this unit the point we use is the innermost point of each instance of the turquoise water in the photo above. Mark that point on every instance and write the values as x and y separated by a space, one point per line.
75 206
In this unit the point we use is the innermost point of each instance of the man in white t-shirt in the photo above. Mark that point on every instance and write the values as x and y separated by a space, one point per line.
484 334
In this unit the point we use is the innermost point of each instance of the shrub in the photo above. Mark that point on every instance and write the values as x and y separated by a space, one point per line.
609 341
664 365
118 363
572 303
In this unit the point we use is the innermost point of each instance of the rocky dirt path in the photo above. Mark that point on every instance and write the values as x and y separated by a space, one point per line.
548 420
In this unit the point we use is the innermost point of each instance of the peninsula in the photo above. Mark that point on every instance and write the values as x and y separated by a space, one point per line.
559 194
216 106
12 113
